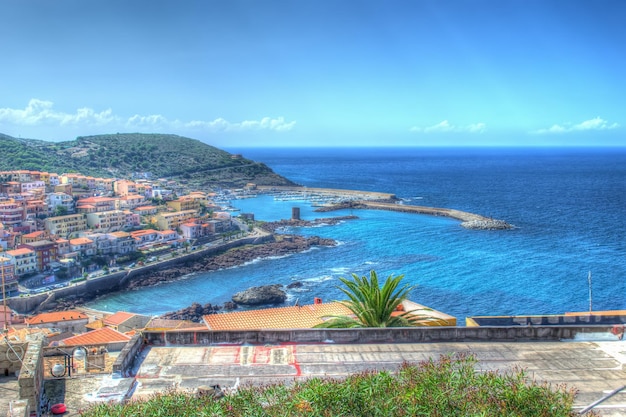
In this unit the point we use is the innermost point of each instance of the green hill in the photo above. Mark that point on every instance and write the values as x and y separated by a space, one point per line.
123 155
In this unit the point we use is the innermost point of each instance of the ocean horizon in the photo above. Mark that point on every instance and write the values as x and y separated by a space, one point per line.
567 205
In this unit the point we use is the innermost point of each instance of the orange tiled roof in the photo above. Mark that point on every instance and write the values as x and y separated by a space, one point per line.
33 234
80 241
295 317
117 318
21 251
101 336
56 316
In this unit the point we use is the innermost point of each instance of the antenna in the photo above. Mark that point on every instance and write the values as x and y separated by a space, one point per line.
590 291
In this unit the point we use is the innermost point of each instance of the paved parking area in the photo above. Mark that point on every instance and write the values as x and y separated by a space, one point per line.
594 368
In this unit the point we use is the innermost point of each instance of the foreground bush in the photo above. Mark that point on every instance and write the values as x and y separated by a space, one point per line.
450 386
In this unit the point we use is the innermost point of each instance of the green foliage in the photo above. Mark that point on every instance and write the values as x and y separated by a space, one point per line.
373 305
450 386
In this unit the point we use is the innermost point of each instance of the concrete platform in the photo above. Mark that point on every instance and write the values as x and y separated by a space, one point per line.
593 368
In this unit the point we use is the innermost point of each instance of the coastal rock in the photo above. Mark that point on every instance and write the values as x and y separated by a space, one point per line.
192 313
280 224
265 294
285 245
488 224
296 284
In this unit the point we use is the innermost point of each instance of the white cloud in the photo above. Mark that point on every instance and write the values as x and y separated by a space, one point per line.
591 124
42 112
446 127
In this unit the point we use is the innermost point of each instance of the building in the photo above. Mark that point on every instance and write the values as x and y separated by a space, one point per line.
125 187
99 204
122 242
308 316
66 226
45 251
84 246
144 237
34 237
12 212
171 221
96 341
65 321
129 202
125 322
24 260
33 185
184 204
106 220
293 317
196 230
7 274
55 200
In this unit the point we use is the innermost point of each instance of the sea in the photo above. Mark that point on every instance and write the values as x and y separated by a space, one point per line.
567 251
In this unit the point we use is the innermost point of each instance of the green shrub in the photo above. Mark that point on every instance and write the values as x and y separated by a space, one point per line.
449 386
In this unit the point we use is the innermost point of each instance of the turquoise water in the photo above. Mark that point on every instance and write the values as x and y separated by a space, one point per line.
567 204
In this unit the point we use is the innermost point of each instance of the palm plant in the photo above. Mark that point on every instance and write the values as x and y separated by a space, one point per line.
373 305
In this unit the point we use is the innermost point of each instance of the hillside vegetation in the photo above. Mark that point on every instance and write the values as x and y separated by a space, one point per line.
124 154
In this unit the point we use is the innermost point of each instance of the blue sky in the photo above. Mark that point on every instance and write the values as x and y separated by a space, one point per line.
317 72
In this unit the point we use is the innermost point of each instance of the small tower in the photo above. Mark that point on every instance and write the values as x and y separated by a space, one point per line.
295 213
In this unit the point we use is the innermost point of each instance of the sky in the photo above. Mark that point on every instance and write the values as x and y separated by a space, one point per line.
250 73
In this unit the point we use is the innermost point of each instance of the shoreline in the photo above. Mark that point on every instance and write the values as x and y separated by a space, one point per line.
216 259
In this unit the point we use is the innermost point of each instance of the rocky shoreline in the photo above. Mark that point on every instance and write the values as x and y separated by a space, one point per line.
272 227
281 245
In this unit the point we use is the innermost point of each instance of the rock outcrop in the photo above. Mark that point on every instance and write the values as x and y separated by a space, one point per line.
284 245
488 224
192 313
266 294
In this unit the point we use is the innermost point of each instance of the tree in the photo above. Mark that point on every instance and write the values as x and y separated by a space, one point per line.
373 305
60 210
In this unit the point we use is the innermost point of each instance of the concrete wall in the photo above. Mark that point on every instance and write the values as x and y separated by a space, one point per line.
107 283
124 361
31 374
375 335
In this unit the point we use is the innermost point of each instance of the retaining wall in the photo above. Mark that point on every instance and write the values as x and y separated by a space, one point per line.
111 282
375 335
124 361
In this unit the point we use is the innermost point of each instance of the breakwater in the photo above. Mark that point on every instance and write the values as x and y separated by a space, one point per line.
338 199
469 220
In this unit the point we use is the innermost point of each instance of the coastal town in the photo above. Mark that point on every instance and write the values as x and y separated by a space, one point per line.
68 236
58 229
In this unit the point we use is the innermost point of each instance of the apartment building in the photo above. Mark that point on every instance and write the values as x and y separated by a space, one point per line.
12 212
129 202
171 221
95 204
125 187
195 230
84 246
55 200
184 204
33 185
143 237
36 208
34 236
106 220
7 272
65 226
45 253
63 247
122 242
24 260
